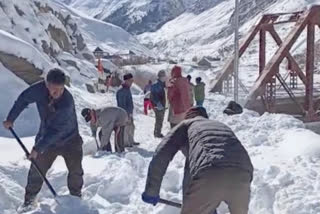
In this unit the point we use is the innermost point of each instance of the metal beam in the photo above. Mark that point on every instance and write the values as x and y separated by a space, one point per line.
227 69
262 50
289 91
282 14
272 67
309 71
236 53
294 65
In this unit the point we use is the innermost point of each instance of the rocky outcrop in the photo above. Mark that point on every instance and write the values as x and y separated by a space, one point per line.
21 67
60 37
68 38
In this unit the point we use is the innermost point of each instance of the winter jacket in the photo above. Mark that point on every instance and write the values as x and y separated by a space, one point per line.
179 92
58 122
124 99
199 92
205 143
158 94
146 91
108 118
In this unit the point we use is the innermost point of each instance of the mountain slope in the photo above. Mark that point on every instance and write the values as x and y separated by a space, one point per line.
134 16
210 31
107 36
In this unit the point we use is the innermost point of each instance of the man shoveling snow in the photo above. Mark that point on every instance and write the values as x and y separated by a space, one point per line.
58 133
217 166
109 119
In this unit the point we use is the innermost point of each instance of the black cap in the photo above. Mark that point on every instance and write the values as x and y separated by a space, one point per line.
86 114
127 76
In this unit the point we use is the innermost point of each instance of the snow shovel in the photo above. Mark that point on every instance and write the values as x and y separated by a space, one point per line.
43 177
175 204
170 203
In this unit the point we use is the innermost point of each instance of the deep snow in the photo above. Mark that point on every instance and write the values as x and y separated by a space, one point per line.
285 156
284 153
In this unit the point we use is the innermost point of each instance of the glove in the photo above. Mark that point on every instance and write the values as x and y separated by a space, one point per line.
150 199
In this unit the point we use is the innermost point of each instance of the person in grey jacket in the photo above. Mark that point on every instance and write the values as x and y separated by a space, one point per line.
124 100
58 133
217 168
109 119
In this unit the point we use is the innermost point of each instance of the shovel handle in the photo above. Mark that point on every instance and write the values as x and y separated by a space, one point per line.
170 203
43 177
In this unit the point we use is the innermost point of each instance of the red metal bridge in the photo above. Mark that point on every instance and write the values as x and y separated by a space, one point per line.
262 96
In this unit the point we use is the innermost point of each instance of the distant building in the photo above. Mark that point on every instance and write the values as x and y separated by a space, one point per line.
98 52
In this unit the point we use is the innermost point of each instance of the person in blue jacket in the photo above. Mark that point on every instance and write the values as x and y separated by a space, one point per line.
158 100
124 100
58 133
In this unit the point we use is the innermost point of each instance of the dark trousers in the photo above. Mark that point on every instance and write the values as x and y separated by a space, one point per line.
159 121
72 155
118 141
205 193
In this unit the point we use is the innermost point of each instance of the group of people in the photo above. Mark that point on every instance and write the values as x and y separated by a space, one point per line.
179 91
217 166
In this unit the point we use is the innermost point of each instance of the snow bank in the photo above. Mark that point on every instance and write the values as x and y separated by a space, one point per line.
15 46
10 88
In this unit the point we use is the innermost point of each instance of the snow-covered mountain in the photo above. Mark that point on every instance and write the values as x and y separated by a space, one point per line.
134 16
36 35
109 37
210 31
39 35
185 28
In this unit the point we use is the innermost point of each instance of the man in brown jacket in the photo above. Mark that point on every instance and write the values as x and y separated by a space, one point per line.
217 168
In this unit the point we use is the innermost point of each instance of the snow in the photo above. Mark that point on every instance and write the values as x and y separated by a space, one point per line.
15 46
28 122
284 153
286 156
109 37
103 9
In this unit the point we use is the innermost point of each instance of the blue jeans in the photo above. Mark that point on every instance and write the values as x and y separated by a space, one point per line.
200 103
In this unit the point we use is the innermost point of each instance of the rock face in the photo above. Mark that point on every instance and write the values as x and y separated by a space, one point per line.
21 67
49 30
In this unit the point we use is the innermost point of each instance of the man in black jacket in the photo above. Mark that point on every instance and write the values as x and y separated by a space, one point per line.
217 167
58 133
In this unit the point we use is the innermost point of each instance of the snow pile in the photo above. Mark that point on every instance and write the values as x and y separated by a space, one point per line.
285 156
15 46
10 88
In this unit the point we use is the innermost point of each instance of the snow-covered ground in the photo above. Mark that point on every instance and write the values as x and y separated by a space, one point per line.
284 153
